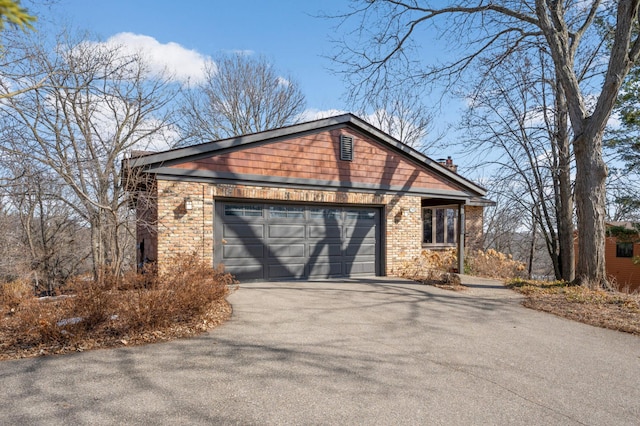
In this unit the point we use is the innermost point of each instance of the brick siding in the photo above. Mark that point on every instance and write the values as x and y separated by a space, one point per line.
474 234
182 231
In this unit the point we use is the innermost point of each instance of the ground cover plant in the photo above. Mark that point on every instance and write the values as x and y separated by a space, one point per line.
602 308
186 299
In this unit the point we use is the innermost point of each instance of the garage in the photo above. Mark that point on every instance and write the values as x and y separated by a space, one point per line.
265 241
334 197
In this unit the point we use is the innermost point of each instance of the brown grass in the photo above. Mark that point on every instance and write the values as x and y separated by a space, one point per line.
601 308
187 299
493 264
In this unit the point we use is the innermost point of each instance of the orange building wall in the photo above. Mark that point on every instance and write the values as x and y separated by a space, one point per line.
622 269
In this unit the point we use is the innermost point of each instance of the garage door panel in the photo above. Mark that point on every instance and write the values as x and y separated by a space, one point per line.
243 251
243 230
362 268
322 231
286 231
360 232
326 270
365 249
246 271
286 250
320 250
361 216
290 270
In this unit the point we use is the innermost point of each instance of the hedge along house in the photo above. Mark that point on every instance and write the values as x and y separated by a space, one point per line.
334 197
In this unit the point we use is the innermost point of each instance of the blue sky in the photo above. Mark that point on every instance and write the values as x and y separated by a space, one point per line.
285 31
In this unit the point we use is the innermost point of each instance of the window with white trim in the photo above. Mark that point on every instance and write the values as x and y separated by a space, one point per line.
439 226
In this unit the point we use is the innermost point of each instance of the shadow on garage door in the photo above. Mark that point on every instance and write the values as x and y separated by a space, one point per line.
258 241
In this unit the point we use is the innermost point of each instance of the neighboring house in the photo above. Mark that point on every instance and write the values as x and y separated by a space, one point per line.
334 197
622 254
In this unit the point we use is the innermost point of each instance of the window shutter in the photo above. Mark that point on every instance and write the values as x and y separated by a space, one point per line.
346 148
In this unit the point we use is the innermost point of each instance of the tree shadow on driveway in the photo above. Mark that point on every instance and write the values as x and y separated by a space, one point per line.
334 352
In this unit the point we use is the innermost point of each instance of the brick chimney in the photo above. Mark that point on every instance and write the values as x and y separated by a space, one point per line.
448 163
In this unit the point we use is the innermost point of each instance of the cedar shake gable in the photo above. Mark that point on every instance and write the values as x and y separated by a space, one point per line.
308 155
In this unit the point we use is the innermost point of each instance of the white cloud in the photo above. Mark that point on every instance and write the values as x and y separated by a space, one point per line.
184 65
283 82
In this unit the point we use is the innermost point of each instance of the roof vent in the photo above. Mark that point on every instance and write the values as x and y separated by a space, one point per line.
346 148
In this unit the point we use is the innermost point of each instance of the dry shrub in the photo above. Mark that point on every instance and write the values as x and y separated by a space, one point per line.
432 267
15 292
114 307
186 289
38 321
438 266
93 300
493 264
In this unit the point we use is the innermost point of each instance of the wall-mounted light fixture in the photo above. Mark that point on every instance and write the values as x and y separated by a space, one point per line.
405 210
188 204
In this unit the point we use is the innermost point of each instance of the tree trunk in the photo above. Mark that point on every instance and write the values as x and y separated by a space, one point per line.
590 192
564 196
565 223
532 247
97 246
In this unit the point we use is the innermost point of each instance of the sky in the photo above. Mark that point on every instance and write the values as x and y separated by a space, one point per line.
286 32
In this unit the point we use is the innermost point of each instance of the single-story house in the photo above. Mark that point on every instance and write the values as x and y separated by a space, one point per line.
335 197
622 254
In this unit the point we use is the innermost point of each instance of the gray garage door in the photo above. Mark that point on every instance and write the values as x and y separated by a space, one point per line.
273 242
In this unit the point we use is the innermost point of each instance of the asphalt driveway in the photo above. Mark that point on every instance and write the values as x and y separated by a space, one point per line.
358 352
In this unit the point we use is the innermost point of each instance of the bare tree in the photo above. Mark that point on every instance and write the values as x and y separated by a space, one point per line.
509 232
388 30
241 94
54 242
402 114
623 195
519 116
96 104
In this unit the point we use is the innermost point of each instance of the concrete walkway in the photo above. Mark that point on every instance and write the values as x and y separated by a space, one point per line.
378 351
